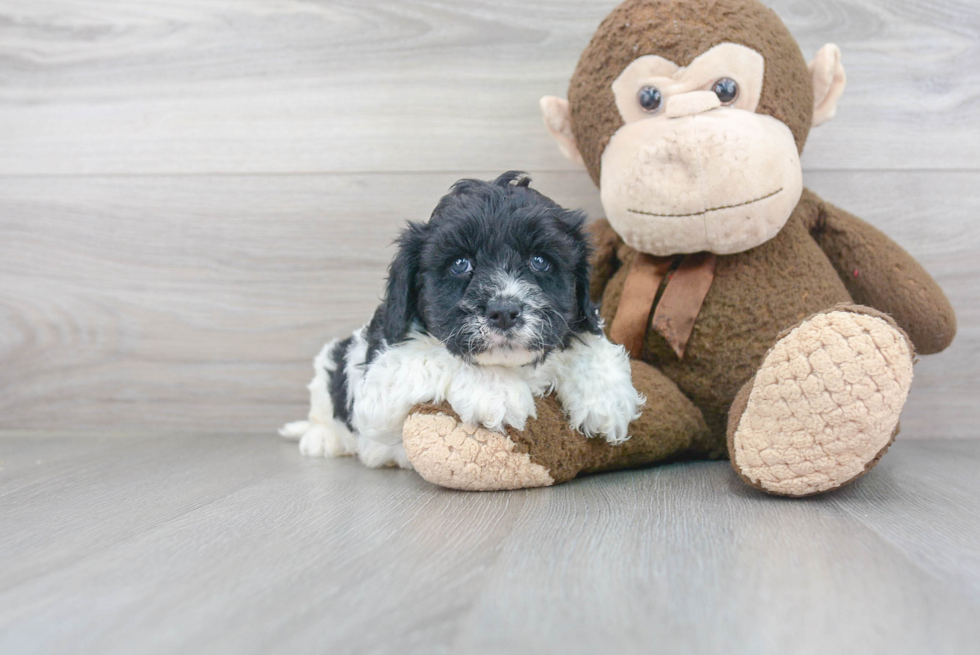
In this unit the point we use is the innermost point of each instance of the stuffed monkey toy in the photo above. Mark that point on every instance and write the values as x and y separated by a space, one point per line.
765 325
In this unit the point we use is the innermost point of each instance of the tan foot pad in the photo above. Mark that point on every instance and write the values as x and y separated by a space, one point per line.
458 455
824 405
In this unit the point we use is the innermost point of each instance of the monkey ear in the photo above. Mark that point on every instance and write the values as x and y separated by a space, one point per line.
558 120
829 81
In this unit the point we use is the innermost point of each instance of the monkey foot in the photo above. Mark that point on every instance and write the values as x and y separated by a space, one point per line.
824 406
459 455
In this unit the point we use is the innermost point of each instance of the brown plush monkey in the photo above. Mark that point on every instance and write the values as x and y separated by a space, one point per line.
766 325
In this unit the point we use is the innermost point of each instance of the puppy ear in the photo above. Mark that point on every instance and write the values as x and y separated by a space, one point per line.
587 318
401 295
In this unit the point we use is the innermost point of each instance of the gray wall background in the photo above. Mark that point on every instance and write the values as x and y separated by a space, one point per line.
195 195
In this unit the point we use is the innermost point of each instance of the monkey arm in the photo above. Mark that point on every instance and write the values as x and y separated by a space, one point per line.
880 274
605 263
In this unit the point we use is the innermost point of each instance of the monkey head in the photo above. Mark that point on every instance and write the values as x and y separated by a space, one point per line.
691 116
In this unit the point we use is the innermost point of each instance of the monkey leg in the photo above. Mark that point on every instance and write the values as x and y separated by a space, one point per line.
450 453
824 406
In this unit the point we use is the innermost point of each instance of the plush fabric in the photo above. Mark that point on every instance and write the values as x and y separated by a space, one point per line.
879 273
640 288
800 356
450 453
680 30
678 309
673 430
722 181
673 80
753 297
824 404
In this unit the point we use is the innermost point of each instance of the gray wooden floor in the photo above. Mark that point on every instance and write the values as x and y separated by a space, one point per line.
204 543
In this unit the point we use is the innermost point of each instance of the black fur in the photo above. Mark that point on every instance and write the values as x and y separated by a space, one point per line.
337 381
499 226
399 310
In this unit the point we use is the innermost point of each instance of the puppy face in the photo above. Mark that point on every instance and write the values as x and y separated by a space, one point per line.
500 274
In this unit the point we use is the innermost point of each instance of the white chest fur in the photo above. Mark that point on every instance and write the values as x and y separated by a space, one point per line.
591 378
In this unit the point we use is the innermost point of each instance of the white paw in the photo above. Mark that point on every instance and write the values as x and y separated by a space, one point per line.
595 387
610 419
492 397
331 439
375 454
294 431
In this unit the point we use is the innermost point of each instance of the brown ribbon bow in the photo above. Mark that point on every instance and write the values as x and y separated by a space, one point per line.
679 304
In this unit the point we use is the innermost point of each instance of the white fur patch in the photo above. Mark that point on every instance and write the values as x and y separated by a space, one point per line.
593 381
591 378
356 356
509 357
322 435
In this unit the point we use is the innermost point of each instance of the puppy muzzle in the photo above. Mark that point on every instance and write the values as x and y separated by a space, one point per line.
506 324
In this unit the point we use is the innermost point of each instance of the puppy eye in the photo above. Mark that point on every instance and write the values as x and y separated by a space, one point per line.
461 266
650 99
726 89
540 264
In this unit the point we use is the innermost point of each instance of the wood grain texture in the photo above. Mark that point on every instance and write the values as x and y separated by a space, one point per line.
194 196
203 543
233 86
197 302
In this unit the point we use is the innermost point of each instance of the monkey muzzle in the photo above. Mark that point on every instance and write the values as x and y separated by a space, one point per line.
700 178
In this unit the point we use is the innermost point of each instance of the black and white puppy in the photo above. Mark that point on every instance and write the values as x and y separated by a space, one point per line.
487 306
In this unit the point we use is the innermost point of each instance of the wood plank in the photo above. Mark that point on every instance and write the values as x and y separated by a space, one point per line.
197 303
164 477
662 559
937 493
301 543
171 86
234 543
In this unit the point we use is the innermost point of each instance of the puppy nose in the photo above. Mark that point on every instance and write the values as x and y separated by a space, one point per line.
503 313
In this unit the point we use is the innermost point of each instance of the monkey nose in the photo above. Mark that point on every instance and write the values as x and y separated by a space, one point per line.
503 313
691 103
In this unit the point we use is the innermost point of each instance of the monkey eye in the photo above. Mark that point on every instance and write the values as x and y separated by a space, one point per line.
650 99
540 264
461 266
726 89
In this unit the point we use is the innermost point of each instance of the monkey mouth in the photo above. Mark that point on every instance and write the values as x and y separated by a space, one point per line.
710 209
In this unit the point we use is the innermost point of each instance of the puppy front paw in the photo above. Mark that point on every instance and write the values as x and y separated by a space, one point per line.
608 421
491 401
596 389
377 454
